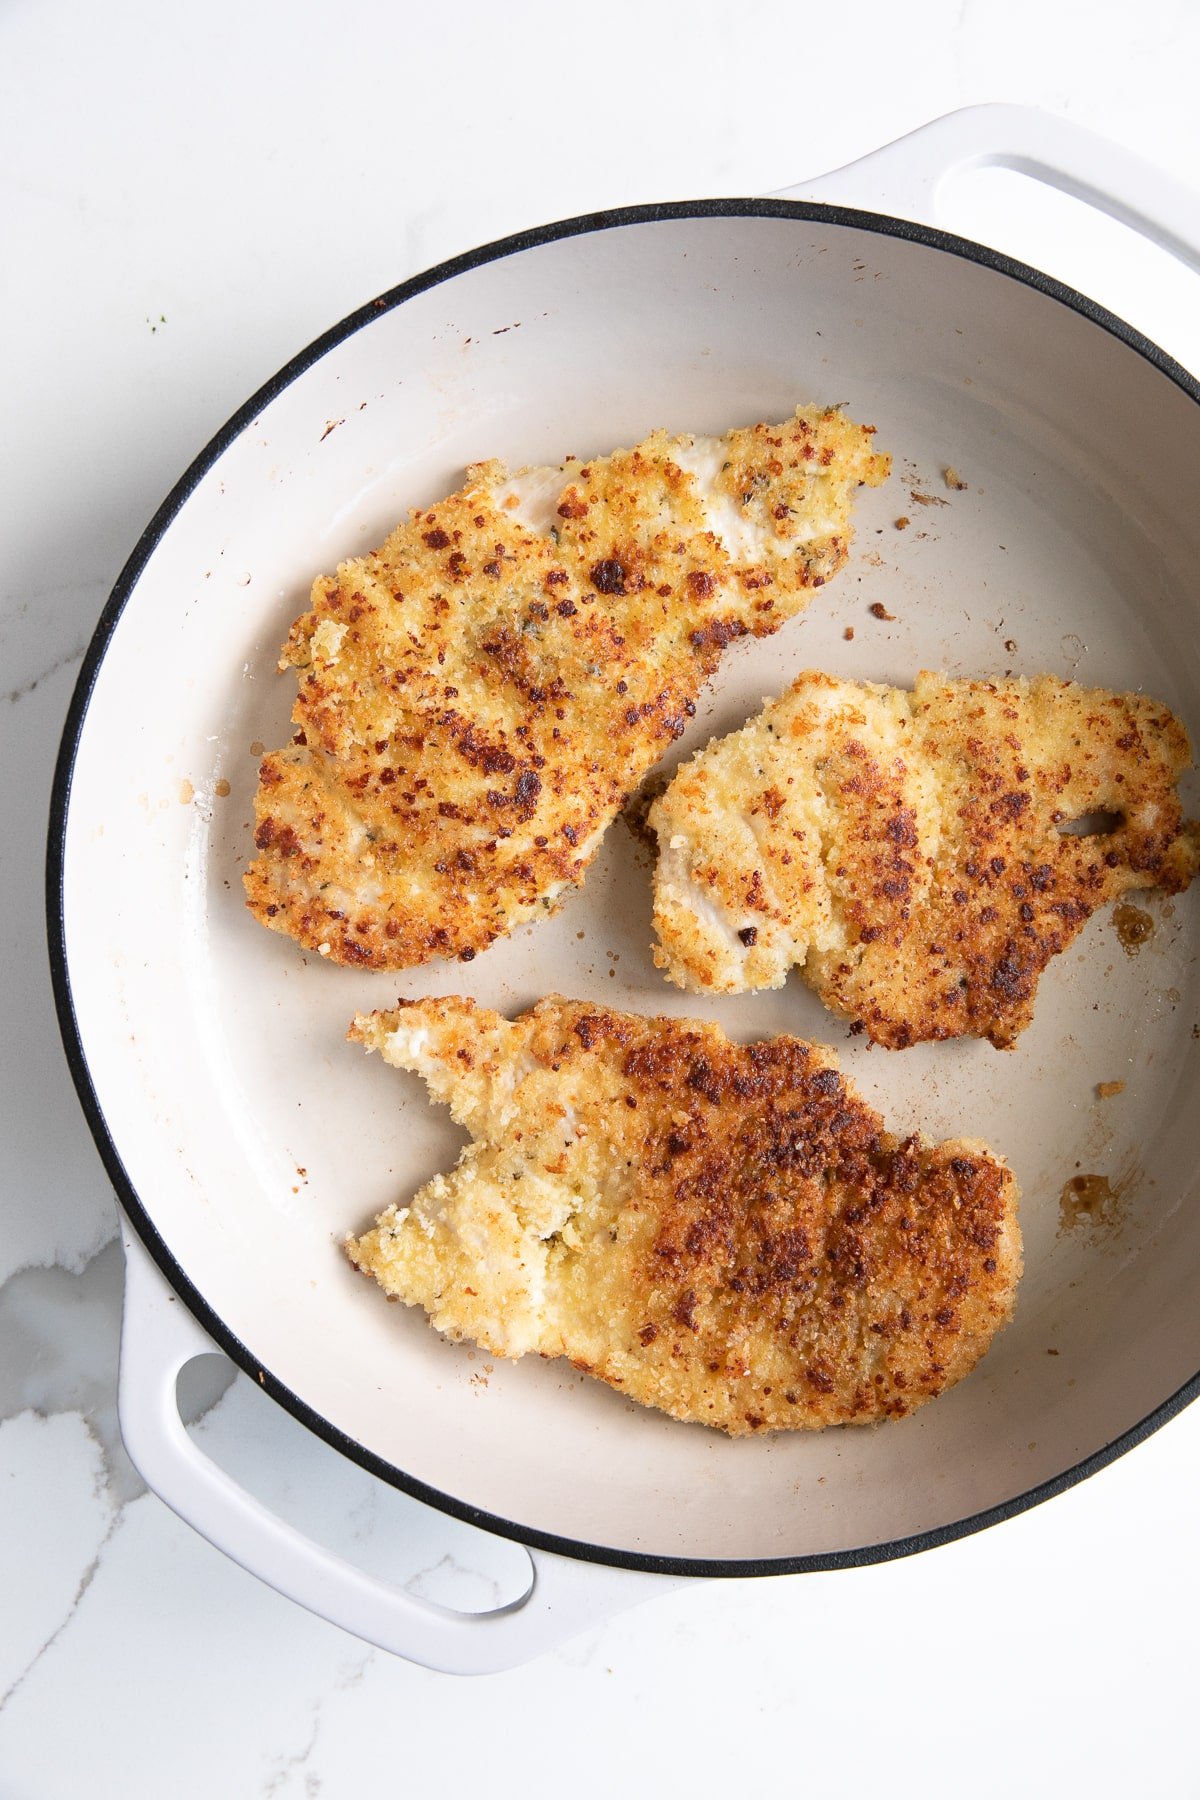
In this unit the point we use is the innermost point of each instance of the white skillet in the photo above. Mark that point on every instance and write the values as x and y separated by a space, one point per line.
245 1137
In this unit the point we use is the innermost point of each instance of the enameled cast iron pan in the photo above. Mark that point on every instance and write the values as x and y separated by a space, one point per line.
210 1055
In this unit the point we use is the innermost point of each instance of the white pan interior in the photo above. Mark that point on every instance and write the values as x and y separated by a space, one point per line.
255 1137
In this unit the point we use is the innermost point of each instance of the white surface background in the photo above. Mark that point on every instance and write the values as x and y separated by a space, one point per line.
188 196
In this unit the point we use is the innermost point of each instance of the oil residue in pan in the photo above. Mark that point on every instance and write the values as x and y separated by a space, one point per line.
1133 927
1096 1200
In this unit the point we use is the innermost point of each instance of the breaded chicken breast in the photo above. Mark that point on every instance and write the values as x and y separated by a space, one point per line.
478 698
913 853
723 1231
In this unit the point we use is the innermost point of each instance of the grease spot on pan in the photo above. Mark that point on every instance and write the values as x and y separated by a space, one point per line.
1133 927
1095 1201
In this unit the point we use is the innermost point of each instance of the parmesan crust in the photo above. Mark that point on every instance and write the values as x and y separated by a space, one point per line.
722 1231
478 698
913 853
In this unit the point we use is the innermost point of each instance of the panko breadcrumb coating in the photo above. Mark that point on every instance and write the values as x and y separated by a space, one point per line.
479 697
911 853
722 1231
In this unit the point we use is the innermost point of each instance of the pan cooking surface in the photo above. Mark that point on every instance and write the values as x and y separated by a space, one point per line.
255 1137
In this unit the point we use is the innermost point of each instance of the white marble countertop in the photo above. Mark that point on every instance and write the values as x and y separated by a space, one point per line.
189 195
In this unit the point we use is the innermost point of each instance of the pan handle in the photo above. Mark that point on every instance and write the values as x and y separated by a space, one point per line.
904 178
158 1337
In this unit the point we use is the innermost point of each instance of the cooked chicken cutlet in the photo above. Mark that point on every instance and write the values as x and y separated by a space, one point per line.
913 853
722 1231
478 698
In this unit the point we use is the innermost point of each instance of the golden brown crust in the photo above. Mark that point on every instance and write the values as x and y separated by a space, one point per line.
478 698
908 851
722 1231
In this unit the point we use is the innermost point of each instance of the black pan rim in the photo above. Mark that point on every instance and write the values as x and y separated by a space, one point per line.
224 1339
